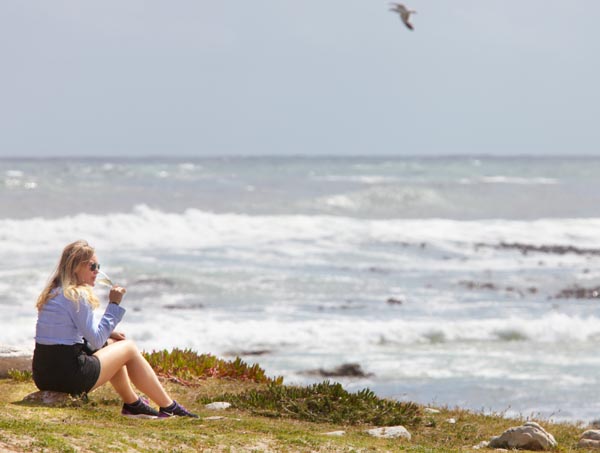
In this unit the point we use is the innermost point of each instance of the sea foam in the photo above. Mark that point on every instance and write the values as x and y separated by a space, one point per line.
145 227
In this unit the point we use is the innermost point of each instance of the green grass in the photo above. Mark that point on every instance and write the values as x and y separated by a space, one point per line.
266 416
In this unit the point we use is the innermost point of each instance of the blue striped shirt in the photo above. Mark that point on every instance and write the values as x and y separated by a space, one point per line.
62 321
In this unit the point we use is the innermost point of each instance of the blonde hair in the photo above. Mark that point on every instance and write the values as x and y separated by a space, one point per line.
64 276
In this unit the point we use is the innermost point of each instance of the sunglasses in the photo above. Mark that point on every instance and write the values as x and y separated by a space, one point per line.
94 267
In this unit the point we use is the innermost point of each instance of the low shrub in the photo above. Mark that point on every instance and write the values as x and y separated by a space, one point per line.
325 402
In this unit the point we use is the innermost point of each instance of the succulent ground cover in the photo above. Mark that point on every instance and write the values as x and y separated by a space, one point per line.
188 366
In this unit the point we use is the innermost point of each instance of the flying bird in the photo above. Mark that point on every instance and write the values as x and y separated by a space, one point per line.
404 13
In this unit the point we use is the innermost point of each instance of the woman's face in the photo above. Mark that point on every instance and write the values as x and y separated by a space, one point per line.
84 272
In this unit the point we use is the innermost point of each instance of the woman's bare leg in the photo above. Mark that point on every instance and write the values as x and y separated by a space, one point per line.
121 382
126 354
122 385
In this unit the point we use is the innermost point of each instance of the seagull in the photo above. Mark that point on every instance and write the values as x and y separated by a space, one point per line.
404 13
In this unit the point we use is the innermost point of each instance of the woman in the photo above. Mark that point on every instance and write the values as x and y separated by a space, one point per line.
62 361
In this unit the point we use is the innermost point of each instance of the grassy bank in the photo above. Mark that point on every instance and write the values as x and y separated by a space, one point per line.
266 416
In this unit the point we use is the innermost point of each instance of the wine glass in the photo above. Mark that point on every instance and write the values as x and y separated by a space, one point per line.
104 279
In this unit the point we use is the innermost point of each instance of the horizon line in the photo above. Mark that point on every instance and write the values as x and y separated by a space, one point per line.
298 156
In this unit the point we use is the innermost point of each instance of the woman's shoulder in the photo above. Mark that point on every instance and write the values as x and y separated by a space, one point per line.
58 296
57 293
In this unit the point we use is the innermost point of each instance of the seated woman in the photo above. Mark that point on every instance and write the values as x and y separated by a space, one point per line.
62 361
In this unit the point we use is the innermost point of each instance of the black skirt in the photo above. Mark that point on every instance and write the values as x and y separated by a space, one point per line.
65 368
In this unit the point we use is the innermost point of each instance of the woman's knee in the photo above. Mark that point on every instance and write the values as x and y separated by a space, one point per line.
121 351
127 345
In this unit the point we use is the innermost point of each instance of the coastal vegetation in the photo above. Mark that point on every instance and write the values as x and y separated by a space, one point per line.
186 366
265 415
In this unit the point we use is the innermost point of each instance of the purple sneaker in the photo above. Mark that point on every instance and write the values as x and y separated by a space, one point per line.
139 409
175 410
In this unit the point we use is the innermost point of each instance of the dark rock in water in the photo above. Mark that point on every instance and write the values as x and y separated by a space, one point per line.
576 292
346 305
477 285
394 301
158 281
183 306
344 370
350 305
379 270
254 352
491 286
551 249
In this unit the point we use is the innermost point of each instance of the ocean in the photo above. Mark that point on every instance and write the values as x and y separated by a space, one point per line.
453 281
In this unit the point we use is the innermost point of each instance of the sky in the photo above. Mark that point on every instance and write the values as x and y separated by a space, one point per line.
309 77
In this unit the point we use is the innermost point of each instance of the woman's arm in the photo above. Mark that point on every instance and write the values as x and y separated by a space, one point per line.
96 334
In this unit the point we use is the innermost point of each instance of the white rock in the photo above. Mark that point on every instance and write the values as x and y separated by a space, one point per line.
452 421
430 410
390 432
593 434
589 444
530 436
335 433
480 445
590 439
218 406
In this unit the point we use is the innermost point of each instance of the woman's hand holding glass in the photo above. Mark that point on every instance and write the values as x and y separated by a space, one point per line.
116 294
